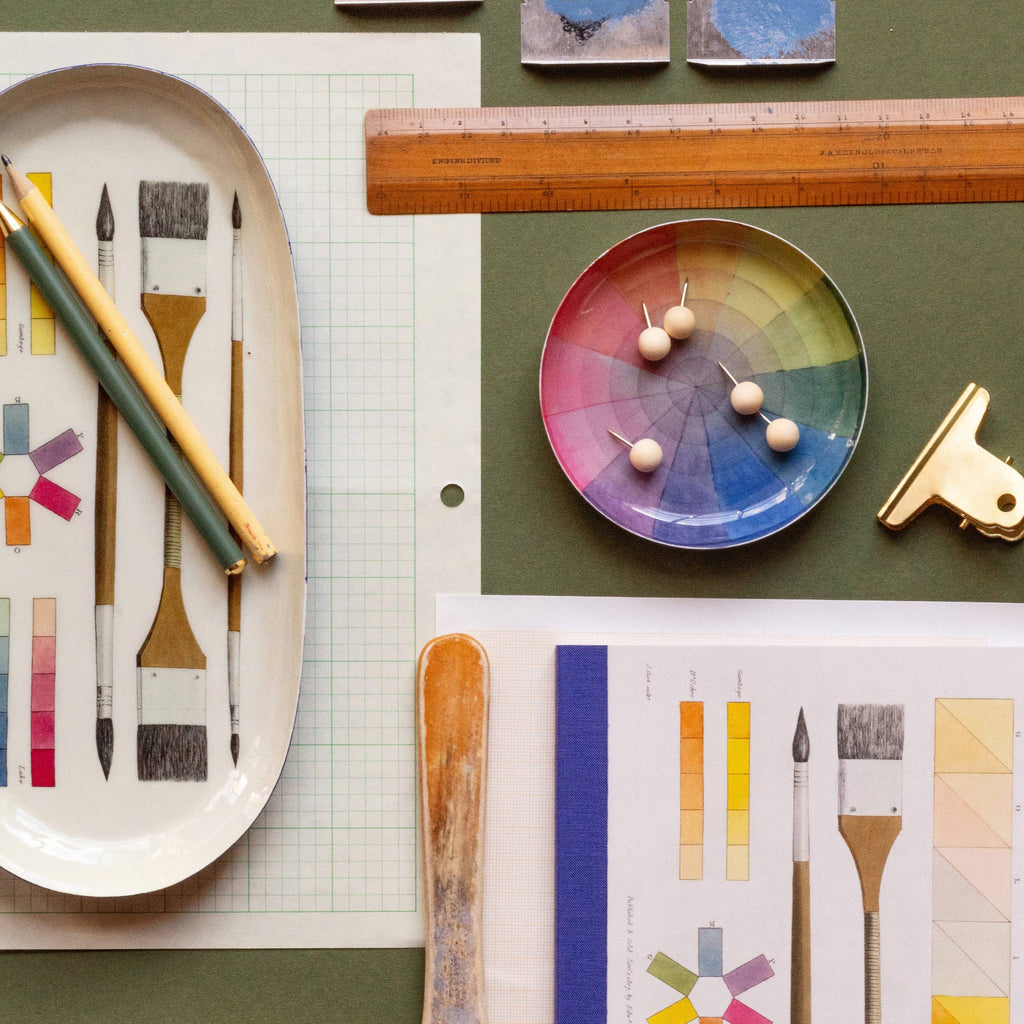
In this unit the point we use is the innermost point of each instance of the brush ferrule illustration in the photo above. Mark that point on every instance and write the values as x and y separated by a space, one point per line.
174 266
104 660
801 814
172 696
871 788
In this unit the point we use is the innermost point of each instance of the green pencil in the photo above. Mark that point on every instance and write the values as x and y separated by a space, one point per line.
142 420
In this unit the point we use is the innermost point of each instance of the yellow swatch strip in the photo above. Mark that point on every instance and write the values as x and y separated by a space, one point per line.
737 854
691 789
43 323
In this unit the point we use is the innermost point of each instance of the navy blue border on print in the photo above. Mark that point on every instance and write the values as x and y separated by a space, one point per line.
581 835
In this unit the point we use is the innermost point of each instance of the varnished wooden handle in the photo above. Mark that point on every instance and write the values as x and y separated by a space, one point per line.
453 694
800 985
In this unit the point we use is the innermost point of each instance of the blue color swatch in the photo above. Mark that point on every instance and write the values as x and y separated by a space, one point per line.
16 429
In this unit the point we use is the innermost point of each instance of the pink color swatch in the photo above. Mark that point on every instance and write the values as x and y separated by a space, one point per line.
44 667
54 497
738 1013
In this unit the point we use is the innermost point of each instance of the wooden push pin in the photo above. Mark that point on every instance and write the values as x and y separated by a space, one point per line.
654 343
645 455
782 434
679 320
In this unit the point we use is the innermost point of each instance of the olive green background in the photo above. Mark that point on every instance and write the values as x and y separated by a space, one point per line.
936 291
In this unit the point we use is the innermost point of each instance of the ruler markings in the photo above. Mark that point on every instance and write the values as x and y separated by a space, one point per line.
854 152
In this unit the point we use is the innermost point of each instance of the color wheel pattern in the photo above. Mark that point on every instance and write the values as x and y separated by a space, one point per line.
765 311
729 1009
44 492
972 876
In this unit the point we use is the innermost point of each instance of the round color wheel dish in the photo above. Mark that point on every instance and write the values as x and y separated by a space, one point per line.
765 311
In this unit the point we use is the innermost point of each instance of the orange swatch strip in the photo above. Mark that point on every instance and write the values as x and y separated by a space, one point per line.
691 789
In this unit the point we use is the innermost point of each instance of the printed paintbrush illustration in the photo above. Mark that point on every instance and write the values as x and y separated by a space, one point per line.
5 667
870 741
800 948
691 789
235 469
760 31
106 513
172 740
709 993
23 472
43 325
44 678
556 31
972 875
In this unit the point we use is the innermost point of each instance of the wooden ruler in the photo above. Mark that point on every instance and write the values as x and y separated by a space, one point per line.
701 157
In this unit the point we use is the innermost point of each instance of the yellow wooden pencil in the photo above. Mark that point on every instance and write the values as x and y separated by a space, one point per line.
145 372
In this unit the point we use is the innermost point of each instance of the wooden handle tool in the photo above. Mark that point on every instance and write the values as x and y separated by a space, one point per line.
453 696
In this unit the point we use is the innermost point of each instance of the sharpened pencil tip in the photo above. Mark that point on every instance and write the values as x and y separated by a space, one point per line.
801 740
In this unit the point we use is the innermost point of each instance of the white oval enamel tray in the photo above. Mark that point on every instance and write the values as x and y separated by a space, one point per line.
85 833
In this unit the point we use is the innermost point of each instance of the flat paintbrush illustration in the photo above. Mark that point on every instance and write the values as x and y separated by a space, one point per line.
235 471
800 981
870 816
106 513
172 740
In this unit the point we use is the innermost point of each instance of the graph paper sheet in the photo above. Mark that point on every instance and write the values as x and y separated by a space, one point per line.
389 312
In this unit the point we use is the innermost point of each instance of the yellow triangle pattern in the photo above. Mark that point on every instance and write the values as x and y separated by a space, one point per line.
970 1010
989 721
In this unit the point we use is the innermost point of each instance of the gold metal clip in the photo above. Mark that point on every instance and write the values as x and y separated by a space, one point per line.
955 471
